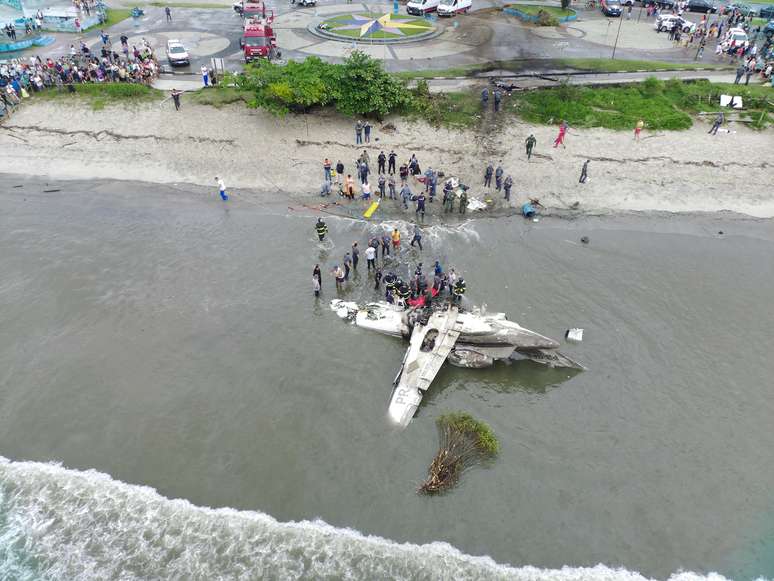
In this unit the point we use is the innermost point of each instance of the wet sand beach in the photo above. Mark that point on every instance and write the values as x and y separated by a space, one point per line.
281 157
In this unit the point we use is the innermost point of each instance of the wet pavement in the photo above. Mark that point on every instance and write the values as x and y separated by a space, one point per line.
482 36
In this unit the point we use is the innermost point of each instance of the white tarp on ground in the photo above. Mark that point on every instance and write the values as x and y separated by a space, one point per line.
729 101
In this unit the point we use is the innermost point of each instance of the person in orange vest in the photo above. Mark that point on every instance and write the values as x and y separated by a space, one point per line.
396 239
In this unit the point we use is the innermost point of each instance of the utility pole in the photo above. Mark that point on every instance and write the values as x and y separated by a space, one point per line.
615 44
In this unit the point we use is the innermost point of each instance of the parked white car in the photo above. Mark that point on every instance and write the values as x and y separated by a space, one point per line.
452 7
737 36
176 53
666 22
422 7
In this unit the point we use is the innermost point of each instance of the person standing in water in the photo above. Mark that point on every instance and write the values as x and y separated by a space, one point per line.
395 240
222 189
316 273
321 228
316 280
417 239
355 255
338 274
370 254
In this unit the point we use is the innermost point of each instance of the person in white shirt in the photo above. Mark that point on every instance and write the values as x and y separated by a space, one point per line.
205 76
222 189
370 255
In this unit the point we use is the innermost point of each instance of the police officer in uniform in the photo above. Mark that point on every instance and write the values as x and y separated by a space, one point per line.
463 202
488 176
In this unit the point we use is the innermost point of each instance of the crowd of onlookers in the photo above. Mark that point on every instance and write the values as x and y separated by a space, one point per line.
736 37
22 77
31 25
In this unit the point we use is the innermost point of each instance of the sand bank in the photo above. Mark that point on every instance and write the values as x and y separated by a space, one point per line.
671 171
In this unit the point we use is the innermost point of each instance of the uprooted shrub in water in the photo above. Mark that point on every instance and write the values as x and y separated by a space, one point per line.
464 442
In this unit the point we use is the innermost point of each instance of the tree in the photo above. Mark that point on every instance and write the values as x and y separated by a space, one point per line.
360 86
364 88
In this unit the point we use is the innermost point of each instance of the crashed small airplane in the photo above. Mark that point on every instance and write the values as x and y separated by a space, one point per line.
466 338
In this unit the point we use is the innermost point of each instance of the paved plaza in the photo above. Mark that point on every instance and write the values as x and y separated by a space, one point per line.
484 35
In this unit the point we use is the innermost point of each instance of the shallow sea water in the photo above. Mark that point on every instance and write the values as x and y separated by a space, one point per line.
171 342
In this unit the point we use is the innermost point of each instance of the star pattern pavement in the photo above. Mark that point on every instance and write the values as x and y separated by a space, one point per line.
368 25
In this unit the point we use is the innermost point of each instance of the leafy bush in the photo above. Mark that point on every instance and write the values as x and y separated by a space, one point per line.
545 19
652 87
359 86
365 87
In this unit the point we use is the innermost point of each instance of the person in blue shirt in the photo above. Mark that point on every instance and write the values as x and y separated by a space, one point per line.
417 239
421 208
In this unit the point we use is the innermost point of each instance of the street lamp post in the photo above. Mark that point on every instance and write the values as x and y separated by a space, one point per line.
615 44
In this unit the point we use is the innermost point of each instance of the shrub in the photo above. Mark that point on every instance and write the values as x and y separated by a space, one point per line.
359 86
545 19
652 86
464 442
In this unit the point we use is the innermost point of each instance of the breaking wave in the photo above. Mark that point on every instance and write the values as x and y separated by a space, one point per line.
57 523
463 231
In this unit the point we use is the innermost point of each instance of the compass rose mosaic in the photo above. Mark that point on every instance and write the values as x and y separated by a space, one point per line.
377 26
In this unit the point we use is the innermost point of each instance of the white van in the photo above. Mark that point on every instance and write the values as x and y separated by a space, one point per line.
422 7
452 7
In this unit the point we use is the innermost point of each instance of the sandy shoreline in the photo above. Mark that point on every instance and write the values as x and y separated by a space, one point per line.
686 171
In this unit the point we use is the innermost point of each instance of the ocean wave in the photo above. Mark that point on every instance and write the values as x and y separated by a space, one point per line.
57 523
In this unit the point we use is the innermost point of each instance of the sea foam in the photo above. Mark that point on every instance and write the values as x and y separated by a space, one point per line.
57 523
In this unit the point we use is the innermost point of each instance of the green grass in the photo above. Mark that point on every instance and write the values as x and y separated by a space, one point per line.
116 15
219 96
533 10
611 108
614 66
703 96
460 109
203 5
662 105
377 34
100 95
430 73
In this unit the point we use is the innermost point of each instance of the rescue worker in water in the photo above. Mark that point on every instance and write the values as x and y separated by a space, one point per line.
321 228
458 290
